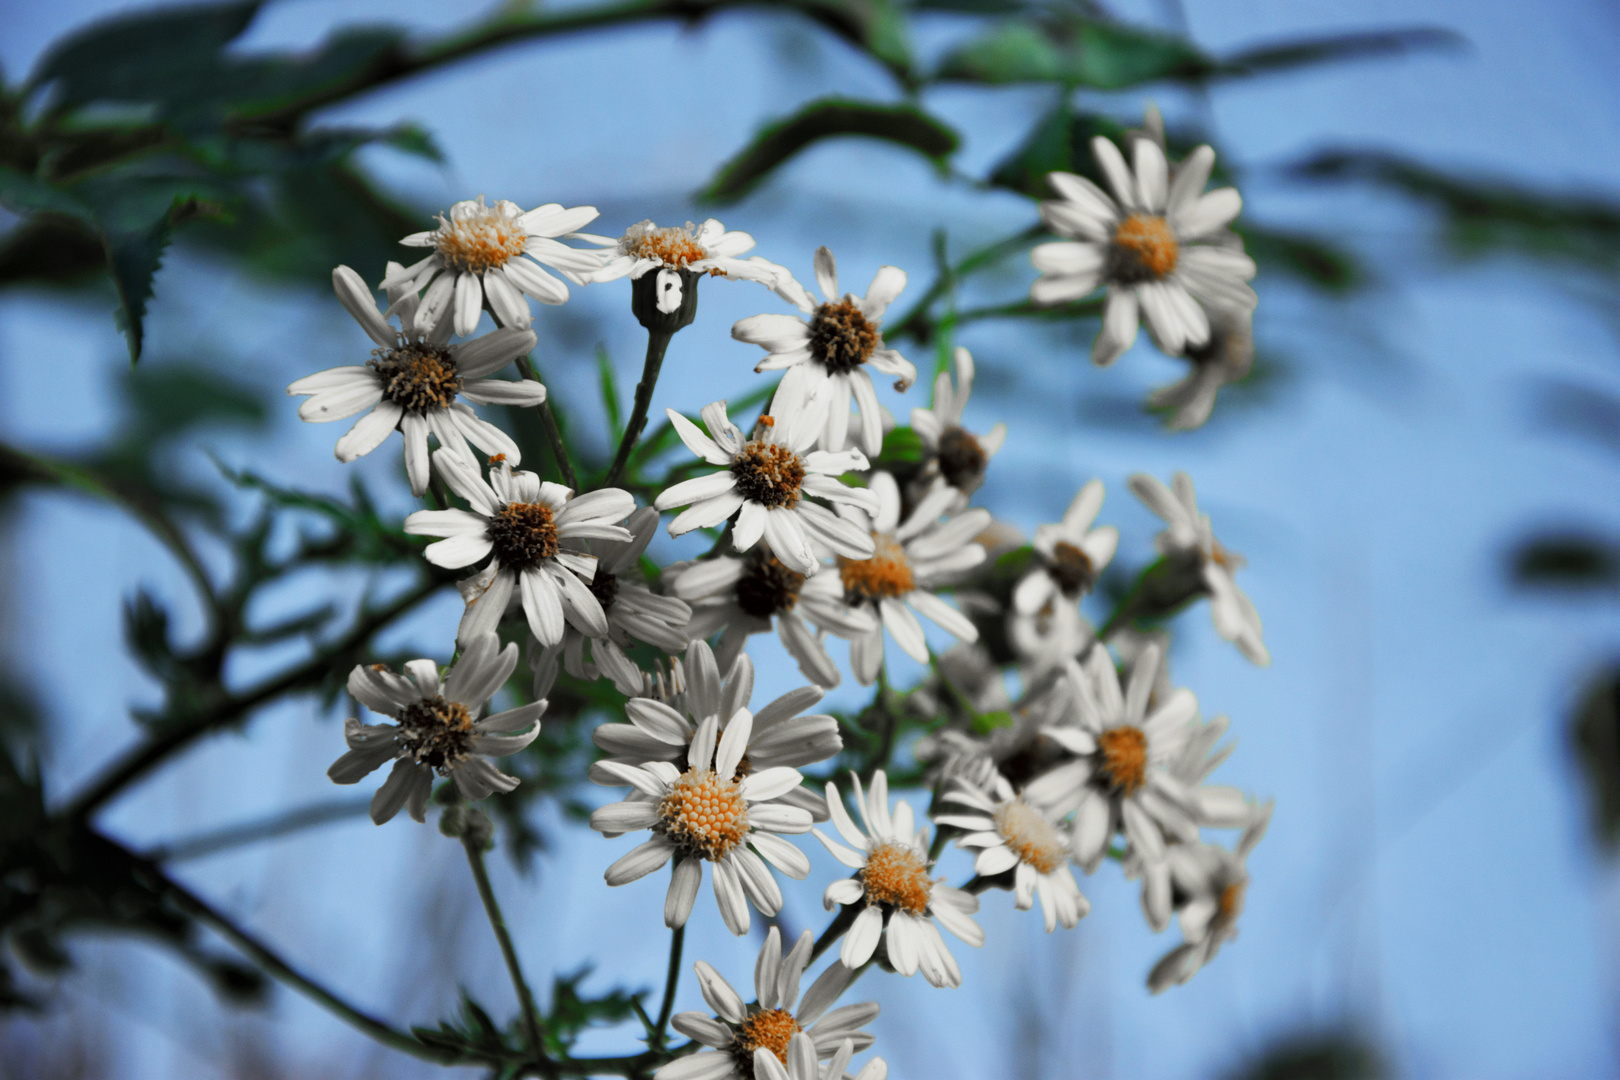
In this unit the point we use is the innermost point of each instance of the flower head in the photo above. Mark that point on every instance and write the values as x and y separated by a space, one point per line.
1069 556
900 901
953 454
769 482
1226 357
709 249
436 728
738 1033
1159 245
827 355
1012 834
1211 882
413 382
523 523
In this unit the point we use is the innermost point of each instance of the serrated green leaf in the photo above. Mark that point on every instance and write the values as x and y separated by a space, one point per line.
904 125
1074 51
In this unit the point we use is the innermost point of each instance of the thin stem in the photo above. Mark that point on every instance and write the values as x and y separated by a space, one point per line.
915 322
677 942
657 344
472 840
267 828
548 420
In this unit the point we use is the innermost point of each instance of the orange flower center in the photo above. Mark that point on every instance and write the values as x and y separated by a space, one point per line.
484 239
770 1029
1145 247
1124 757
886 574
1031 837
897 875
671 246
704 814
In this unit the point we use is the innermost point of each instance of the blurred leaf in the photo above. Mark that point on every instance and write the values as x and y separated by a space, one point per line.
1568 560
25 194
358 532
1315 1056
1311 259
49 248
1074 51
610 394
1059 142
572 1012
1595 734
1307 52
829 118
1580 409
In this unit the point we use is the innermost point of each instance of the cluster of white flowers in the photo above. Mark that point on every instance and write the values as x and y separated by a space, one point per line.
817 540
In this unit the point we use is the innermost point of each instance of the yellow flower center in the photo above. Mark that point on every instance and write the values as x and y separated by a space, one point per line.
482 239
770 1029
674 247
1030 836
523 534
704 814
768 474
886 574
416 377
897 875
1145 248
1124 757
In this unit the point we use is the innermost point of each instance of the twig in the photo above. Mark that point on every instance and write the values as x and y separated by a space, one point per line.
677 941
548 420
657 345
473 841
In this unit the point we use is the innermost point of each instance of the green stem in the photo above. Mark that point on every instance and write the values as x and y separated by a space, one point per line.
915 322
472 841
657 344
548 420
677 941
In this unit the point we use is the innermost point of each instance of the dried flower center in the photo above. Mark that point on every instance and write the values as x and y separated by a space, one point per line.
673 246
770 1029
1144 249
1231 901
1124 757
897 875
886 574
1071 568
523 534
766 587
1220 556
435 732
961 459
768 474
704 814
841 338
416 377
1030 836
605 587
479 239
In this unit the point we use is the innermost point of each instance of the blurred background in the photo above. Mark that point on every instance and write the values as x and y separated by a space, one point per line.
1421 472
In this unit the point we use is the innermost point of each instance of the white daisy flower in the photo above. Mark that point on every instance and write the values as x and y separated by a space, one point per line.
436 728
1213 882
662 729
1013 835
705 814
827 355
740 596
412 383
768 483
709 249
901 902
1049 637
1069 556
1160 246
479 252
737 1032
954 455
1189 534
909 561
1120 780
633 610
1226 357
801 1063
524 523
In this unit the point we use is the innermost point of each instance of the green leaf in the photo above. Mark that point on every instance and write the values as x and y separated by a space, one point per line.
1568 561
24 194
1074 51
1595 732
904 125
1059 142
1306 52
610 393
1310 258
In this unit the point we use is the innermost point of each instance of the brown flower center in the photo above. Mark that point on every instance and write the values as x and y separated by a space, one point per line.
671 246
523 534
770 1029
841 338
1231 901
416 377
886 574
1144 249
1071 568
436 733
484 239
897 875
1030 836
768 474
961 459
766 587
1124 757
704 814
605 587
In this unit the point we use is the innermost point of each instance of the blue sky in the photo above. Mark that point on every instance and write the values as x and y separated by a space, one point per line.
1427 877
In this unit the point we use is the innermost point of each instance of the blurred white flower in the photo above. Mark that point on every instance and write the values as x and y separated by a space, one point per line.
436 728
1160 246
412 383
1013 835
1212 881
954 455
1226 357
768 483
900 902
703 249
1069 556
826 357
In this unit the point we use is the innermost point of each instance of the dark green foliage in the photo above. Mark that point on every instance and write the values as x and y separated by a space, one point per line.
1074 50
1595 739
1568 561
903 125
1325 1056
572 1012
1310 52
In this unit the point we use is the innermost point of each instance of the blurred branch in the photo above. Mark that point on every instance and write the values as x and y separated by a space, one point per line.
265 828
